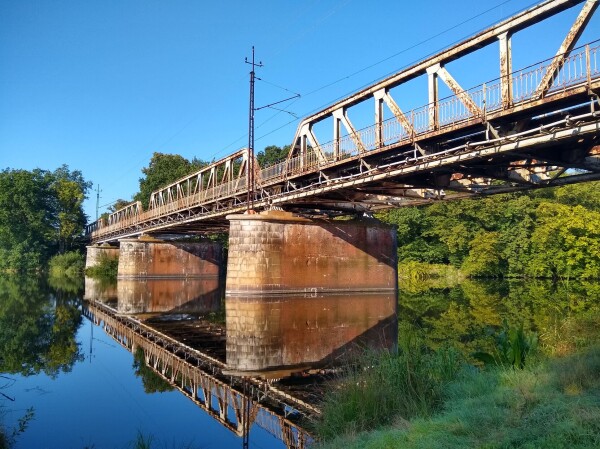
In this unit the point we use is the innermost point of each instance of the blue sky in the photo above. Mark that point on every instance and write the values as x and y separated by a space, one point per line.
101 85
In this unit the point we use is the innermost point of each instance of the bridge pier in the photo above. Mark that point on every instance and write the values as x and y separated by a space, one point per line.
95 253
278 253
303 293
173 295
148 257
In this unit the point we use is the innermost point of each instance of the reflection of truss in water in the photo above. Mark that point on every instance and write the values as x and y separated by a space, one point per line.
201 379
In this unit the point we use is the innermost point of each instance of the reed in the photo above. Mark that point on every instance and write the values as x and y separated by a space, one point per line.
380 388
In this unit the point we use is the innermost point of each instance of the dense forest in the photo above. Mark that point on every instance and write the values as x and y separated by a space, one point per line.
549 233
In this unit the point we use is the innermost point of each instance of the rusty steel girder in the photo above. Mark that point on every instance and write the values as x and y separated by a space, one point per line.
414 149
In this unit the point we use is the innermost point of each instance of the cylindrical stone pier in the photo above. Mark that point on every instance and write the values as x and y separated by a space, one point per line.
147 257
280 253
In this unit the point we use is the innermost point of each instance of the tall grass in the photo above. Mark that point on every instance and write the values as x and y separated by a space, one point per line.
381 388
554 404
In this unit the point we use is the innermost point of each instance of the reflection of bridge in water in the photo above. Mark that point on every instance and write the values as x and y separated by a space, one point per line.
235 402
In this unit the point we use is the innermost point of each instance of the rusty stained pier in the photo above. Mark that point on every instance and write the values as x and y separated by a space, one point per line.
534 127
200 378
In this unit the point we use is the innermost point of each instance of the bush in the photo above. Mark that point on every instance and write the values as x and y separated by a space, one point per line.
107 268
69 264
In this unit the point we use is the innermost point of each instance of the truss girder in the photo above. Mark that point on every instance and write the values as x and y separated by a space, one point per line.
567 45
501 31
409 147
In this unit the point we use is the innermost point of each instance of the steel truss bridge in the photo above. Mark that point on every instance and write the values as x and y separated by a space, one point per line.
234 402
534 127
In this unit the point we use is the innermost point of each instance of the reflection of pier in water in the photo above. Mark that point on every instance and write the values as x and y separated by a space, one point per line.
275 336
195 295
201 378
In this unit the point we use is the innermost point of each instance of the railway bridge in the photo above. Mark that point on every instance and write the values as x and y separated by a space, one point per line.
531 127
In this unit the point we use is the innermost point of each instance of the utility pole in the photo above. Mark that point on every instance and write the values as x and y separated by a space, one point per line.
250 178
97 200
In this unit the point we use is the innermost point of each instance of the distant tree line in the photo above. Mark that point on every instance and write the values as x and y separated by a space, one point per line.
552 233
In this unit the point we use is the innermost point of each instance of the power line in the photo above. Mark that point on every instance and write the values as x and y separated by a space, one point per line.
418 44
329 102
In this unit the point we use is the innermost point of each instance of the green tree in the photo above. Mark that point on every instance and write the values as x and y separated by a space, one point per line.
28 216
117 205
565 242
272 155
40 214
485 256
586 194
70 191
162 170
414 235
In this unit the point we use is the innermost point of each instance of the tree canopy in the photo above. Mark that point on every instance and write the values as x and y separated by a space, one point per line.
271 155
164 169
41 214
546 233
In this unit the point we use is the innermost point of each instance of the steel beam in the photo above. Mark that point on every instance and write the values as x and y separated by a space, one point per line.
460 93
567 45
513 24
382 96
341 116
505 41
433 95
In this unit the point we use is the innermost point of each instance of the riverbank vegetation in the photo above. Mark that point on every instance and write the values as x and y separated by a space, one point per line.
106 268
41 215
70 264
549 401
547 233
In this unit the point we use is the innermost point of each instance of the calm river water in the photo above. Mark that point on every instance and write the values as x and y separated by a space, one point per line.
124 361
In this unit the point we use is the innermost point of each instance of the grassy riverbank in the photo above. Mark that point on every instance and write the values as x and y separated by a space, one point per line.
553 402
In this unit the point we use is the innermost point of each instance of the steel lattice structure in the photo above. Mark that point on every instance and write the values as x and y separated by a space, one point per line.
534 127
